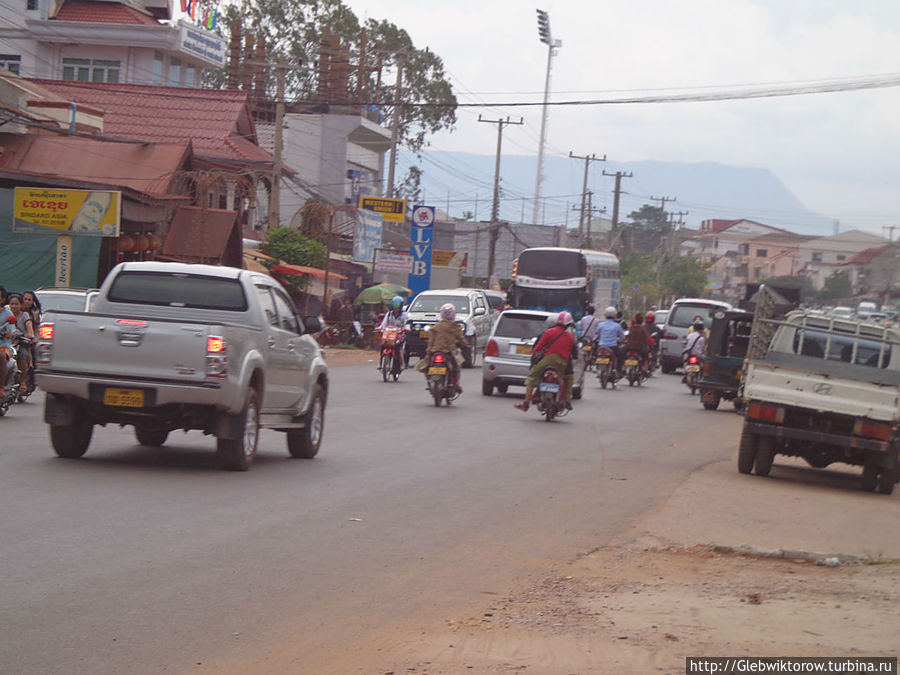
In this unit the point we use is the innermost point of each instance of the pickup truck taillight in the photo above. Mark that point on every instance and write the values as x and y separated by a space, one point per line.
766 412
669 336
492 349
871 429
216 357
43 350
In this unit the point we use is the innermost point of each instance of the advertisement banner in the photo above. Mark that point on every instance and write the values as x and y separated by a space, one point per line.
92 213
393 210
367 236
422 235
393 262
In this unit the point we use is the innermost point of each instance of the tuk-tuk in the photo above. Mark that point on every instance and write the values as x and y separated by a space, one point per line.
729 337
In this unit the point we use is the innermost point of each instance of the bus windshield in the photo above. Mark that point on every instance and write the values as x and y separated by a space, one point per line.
560 264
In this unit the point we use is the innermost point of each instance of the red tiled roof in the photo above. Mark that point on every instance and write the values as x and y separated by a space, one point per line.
103 12
145 168
867 256
216 121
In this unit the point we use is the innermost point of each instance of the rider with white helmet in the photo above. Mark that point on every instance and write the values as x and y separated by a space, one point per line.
609 332
556 345
445 336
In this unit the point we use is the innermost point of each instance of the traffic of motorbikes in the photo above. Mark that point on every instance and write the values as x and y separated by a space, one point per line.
548 392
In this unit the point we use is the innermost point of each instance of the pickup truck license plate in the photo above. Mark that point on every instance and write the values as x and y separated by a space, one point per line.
602 360
423 334
123 398
523 349
692 369
551 387
437 370
630 362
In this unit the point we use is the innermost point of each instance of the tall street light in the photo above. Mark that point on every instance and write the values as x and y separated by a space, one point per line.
543 20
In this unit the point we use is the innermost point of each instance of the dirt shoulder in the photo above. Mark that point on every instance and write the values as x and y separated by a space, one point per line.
799 564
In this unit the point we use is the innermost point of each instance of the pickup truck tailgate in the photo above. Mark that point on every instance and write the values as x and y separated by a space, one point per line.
115 347
822 392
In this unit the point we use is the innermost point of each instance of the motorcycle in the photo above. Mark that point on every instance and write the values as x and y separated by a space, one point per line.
9 390
692 373
586 349
633 371
606 365
548 401
26 388
438 378
390 362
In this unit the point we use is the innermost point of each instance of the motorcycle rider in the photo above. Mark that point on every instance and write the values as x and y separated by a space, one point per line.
609 333
398 318
694 342
638 341
557 343
7 332
654 333
446 336
588 325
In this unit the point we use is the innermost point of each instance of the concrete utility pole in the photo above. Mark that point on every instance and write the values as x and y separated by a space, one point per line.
617 191
543 20
395 128
275 197
495 208
587 161
890 229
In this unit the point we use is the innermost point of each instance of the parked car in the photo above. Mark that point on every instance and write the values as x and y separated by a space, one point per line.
496 300
65 298
176 346
660 317
865 309
841 312
681 315
507 358
472 312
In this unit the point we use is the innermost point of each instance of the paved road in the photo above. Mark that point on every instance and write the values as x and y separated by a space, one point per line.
143 561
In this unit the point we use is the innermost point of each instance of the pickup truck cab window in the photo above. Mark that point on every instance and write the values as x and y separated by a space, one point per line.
267 305
848 349
178 290
286 314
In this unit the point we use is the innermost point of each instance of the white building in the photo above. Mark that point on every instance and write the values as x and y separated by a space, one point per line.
107 41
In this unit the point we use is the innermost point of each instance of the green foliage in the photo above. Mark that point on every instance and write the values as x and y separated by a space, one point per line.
836 286
293 30
684 276
659 275
411 187
292 247
647 228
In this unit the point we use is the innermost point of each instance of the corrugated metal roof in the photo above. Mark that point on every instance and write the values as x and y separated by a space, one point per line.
142 167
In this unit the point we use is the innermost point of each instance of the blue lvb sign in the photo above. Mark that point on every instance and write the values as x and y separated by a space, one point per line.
422 235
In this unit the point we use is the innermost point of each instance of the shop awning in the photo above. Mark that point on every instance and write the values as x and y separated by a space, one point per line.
314 272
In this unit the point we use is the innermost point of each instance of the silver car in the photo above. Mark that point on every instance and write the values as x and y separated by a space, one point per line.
507 358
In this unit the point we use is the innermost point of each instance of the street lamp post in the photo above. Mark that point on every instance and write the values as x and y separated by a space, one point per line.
543 20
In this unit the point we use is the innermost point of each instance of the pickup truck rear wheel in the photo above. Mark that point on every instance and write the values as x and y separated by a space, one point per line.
71 440
869 477
304 443
151 438
747 451
765 455
710 398
236 454
886 480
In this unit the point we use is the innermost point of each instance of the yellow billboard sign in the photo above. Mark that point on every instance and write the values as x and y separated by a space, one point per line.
393 210
94 213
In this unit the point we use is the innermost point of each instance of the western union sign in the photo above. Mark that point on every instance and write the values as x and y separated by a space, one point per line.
393 210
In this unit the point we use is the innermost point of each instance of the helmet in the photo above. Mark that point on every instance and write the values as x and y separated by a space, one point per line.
699 325
650 317
610 312
565 319
448 311
396 302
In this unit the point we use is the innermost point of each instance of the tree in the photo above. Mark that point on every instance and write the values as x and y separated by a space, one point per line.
293 31
836 286
289 245
684 276
647 228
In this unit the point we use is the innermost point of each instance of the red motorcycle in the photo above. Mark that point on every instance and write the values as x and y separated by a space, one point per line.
391 360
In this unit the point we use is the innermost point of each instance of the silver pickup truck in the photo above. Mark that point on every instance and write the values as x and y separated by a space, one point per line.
177 346
826 390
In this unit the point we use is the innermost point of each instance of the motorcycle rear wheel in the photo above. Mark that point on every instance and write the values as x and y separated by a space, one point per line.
387 365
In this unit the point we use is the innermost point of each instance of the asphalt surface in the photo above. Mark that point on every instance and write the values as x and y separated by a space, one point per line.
153 560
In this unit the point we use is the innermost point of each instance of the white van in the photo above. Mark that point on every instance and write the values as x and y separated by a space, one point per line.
865 309
678 321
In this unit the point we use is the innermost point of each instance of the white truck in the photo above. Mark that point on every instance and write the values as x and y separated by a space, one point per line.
826 390
179 346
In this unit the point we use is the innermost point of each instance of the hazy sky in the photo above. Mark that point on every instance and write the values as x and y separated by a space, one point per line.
837 152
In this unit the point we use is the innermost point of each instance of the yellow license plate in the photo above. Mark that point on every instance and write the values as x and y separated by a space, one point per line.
692 369
423 334
523 349
602 360
123 398
437 370
587 348
630 362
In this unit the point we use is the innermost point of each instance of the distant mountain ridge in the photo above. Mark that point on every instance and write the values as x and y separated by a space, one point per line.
704 189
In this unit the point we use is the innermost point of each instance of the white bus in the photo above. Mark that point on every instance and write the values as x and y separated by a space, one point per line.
554 279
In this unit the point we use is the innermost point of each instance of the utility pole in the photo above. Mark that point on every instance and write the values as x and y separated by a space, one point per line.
275 196
395 127
890 229
545 36
587 162
495 208
617 191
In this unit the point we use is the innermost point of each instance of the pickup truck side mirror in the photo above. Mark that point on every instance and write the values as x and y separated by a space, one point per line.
479 311
313 324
